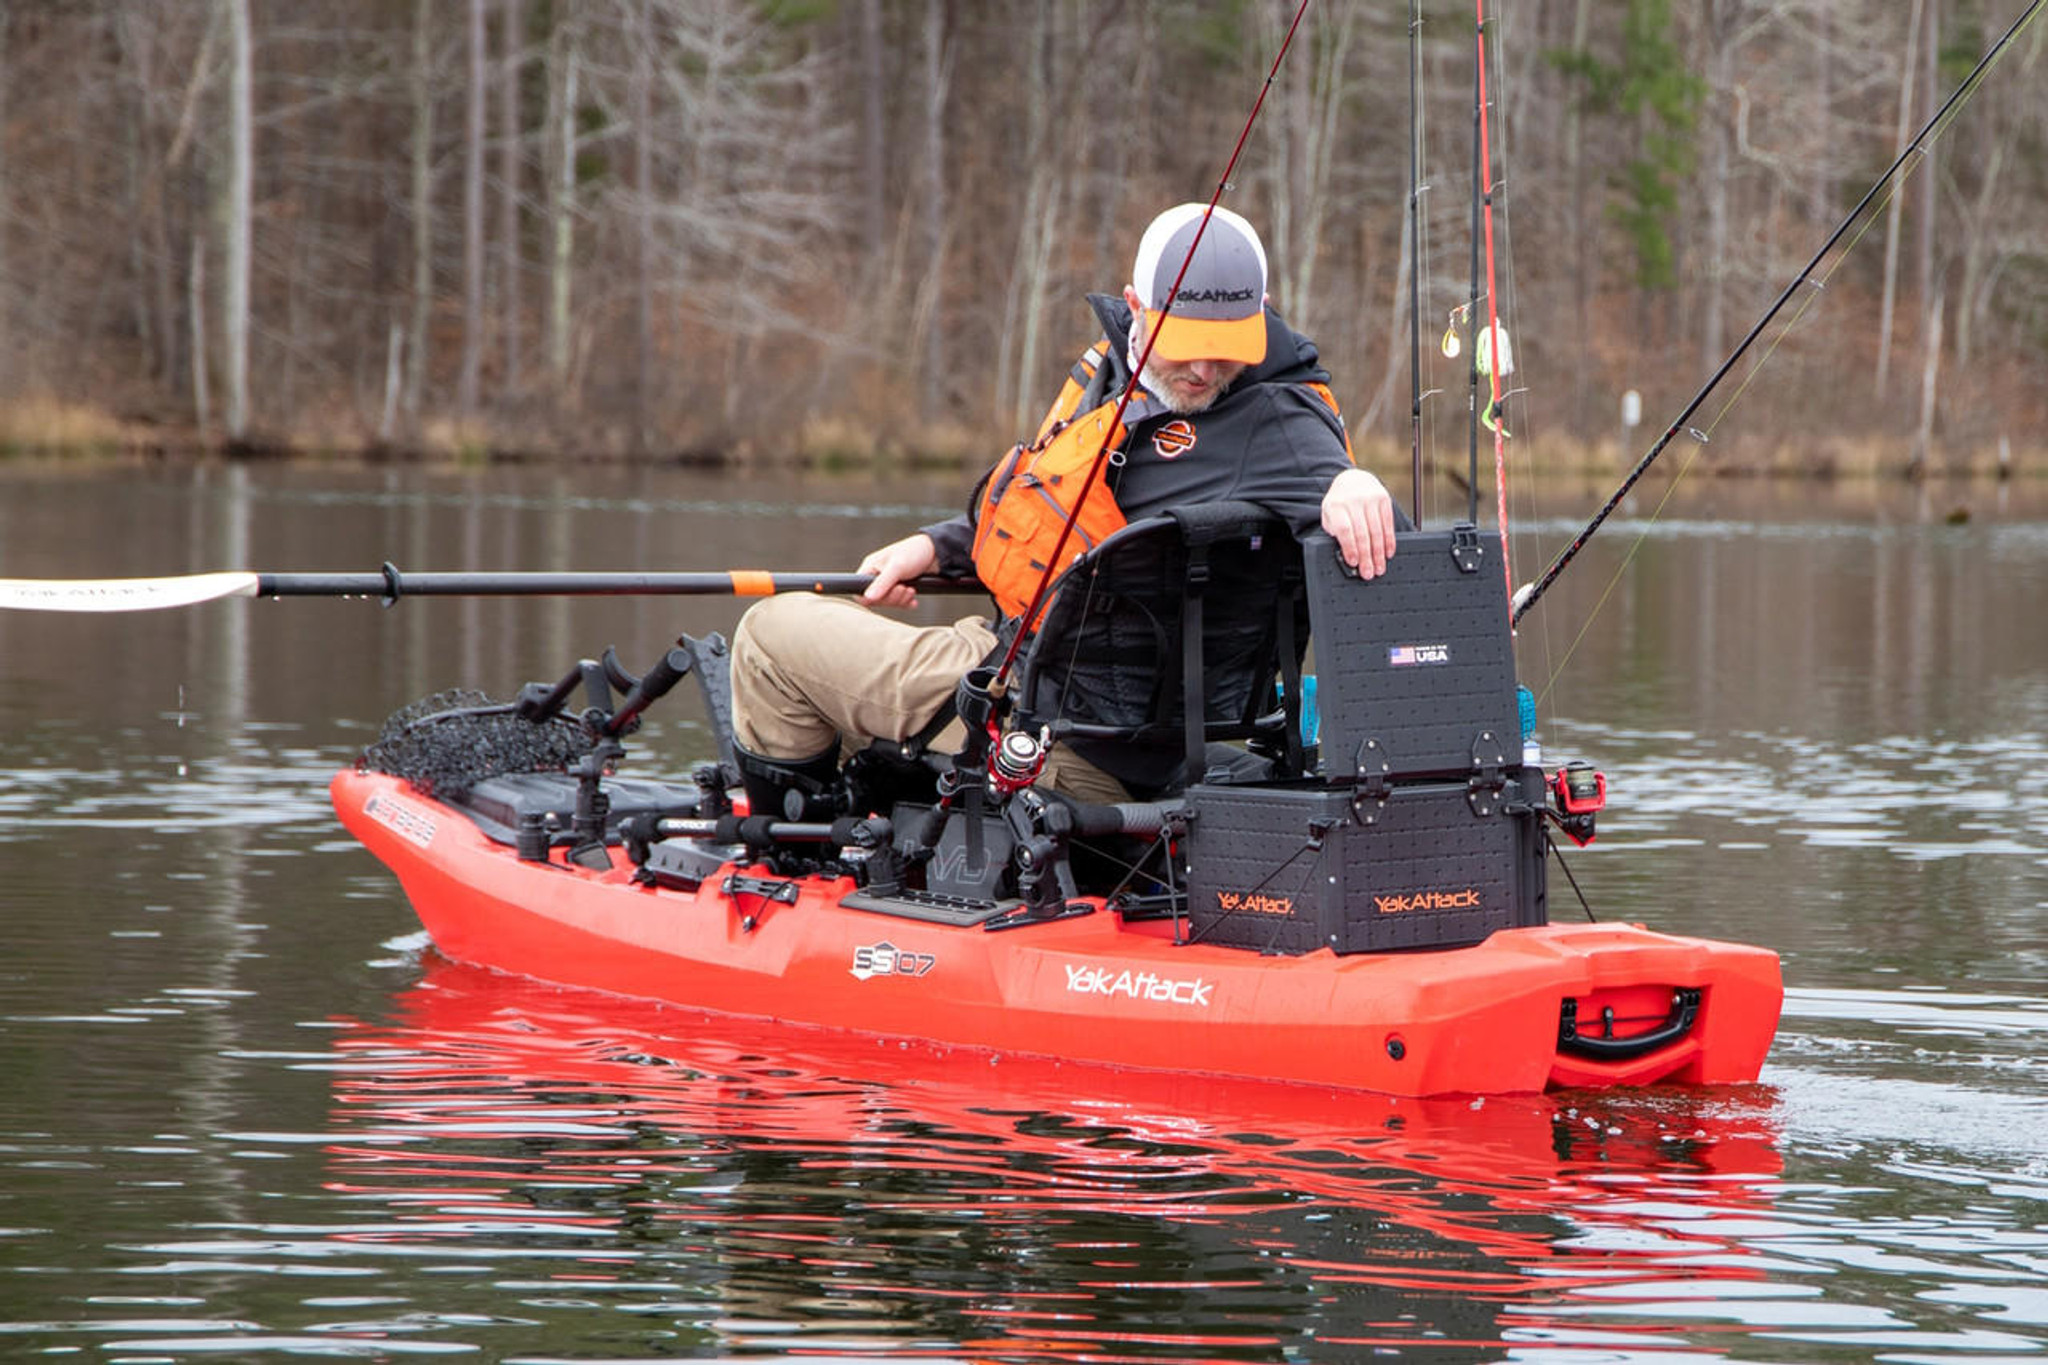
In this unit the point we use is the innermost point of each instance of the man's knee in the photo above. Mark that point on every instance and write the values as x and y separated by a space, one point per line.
771 625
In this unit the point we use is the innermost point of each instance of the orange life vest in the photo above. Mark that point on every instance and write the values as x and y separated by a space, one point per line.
1023 505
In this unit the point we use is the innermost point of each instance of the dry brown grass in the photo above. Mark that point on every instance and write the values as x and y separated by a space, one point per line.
40 425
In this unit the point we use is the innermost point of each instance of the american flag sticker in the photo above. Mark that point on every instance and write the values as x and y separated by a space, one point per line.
1406 656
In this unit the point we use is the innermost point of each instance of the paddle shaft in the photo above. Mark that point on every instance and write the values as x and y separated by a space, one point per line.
391 585
146 594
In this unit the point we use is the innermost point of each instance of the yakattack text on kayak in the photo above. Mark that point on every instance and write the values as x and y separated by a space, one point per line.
1083 979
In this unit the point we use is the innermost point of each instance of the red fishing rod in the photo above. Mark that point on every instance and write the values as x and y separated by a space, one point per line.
1095 466
1528 596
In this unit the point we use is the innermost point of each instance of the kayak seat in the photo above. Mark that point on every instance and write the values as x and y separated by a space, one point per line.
1171 652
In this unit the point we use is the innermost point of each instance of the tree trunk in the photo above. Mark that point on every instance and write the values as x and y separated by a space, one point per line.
422 208
1930 372
1721 22
195 307
1925 207
512 39
562 95
1583 232
874 168
931 288
241 172
1978 250
1888 302
641 97
1821 189
1040 220
473 220
7 323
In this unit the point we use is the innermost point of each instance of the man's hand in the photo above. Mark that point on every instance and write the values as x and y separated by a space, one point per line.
1358 512
894 566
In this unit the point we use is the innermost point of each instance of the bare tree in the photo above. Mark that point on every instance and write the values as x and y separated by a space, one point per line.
237 214
512 42
421 147
563 60
473 217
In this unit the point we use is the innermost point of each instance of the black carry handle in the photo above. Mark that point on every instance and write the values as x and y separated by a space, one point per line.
1685 1011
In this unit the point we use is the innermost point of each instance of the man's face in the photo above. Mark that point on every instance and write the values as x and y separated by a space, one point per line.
1185 386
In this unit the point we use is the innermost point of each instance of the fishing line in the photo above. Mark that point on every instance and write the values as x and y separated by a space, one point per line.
1886 183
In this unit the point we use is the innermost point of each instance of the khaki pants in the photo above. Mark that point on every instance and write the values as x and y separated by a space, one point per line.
808 670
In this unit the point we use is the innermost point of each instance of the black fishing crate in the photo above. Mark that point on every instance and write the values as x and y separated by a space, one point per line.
1415 668
1425 865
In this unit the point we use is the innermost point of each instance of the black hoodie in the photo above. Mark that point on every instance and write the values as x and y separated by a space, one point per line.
1265 440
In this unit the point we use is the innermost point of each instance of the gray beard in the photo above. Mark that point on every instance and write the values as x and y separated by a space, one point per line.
1159 390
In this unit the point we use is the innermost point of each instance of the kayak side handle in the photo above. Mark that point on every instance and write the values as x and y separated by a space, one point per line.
1603 1046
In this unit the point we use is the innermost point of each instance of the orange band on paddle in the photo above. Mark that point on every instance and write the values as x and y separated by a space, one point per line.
753 583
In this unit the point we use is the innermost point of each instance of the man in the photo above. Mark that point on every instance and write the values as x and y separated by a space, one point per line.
1231 405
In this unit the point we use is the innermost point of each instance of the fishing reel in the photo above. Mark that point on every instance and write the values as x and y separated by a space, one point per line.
1578 792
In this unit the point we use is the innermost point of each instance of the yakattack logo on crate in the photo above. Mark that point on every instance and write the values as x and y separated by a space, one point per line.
886 959
1083 979
1465 899
1256 903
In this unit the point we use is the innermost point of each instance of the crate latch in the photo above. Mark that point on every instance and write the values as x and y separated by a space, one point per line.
1468 552
1489 774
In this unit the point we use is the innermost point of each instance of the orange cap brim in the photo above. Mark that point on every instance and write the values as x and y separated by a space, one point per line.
1239 340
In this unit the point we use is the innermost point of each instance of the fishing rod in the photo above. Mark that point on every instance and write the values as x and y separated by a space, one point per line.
1529 594
389 584
1415 261
1095 466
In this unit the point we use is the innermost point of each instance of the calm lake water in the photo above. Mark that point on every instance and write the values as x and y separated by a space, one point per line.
246 1113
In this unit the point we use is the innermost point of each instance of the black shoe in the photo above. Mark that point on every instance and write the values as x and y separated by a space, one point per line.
792 788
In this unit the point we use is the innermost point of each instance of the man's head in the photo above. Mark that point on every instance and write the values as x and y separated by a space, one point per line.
1217 324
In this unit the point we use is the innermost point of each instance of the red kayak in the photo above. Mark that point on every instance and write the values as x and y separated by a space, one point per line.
1478 1019
1354 898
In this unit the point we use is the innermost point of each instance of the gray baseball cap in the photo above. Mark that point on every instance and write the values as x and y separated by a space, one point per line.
1220 311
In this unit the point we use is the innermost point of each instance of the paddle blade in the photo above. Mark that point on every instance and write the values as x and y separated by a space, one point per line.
122 594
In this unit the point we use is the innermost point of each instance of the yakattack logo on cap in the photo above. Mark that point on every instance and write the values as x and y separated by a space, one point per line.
1089 980
886 959
1174 439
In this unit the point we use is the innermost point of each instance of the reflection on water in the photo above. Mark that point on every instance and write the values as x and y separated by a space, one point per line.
244 1115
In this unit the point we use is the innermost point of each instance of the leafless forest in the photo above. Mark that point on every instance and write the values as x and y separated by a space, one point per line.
817 227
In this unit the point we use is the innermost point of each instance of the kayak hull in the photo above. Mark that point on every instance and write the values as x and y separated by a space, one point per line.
1483 1019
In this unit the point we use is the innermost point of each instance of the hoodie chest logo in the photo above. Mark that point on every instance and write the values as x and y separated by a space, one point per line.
1174 439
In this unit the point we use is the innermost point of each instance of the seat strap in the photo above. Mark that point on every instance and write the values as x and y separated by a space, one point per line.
1291 700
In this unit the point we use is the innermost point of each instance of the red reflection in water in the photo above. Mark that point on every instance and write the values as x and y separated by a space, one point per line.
901 1195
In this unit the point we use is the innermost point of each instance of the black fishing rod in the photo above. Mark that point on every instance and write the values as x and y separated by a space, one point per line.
1528 596
1415 261
1052 564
